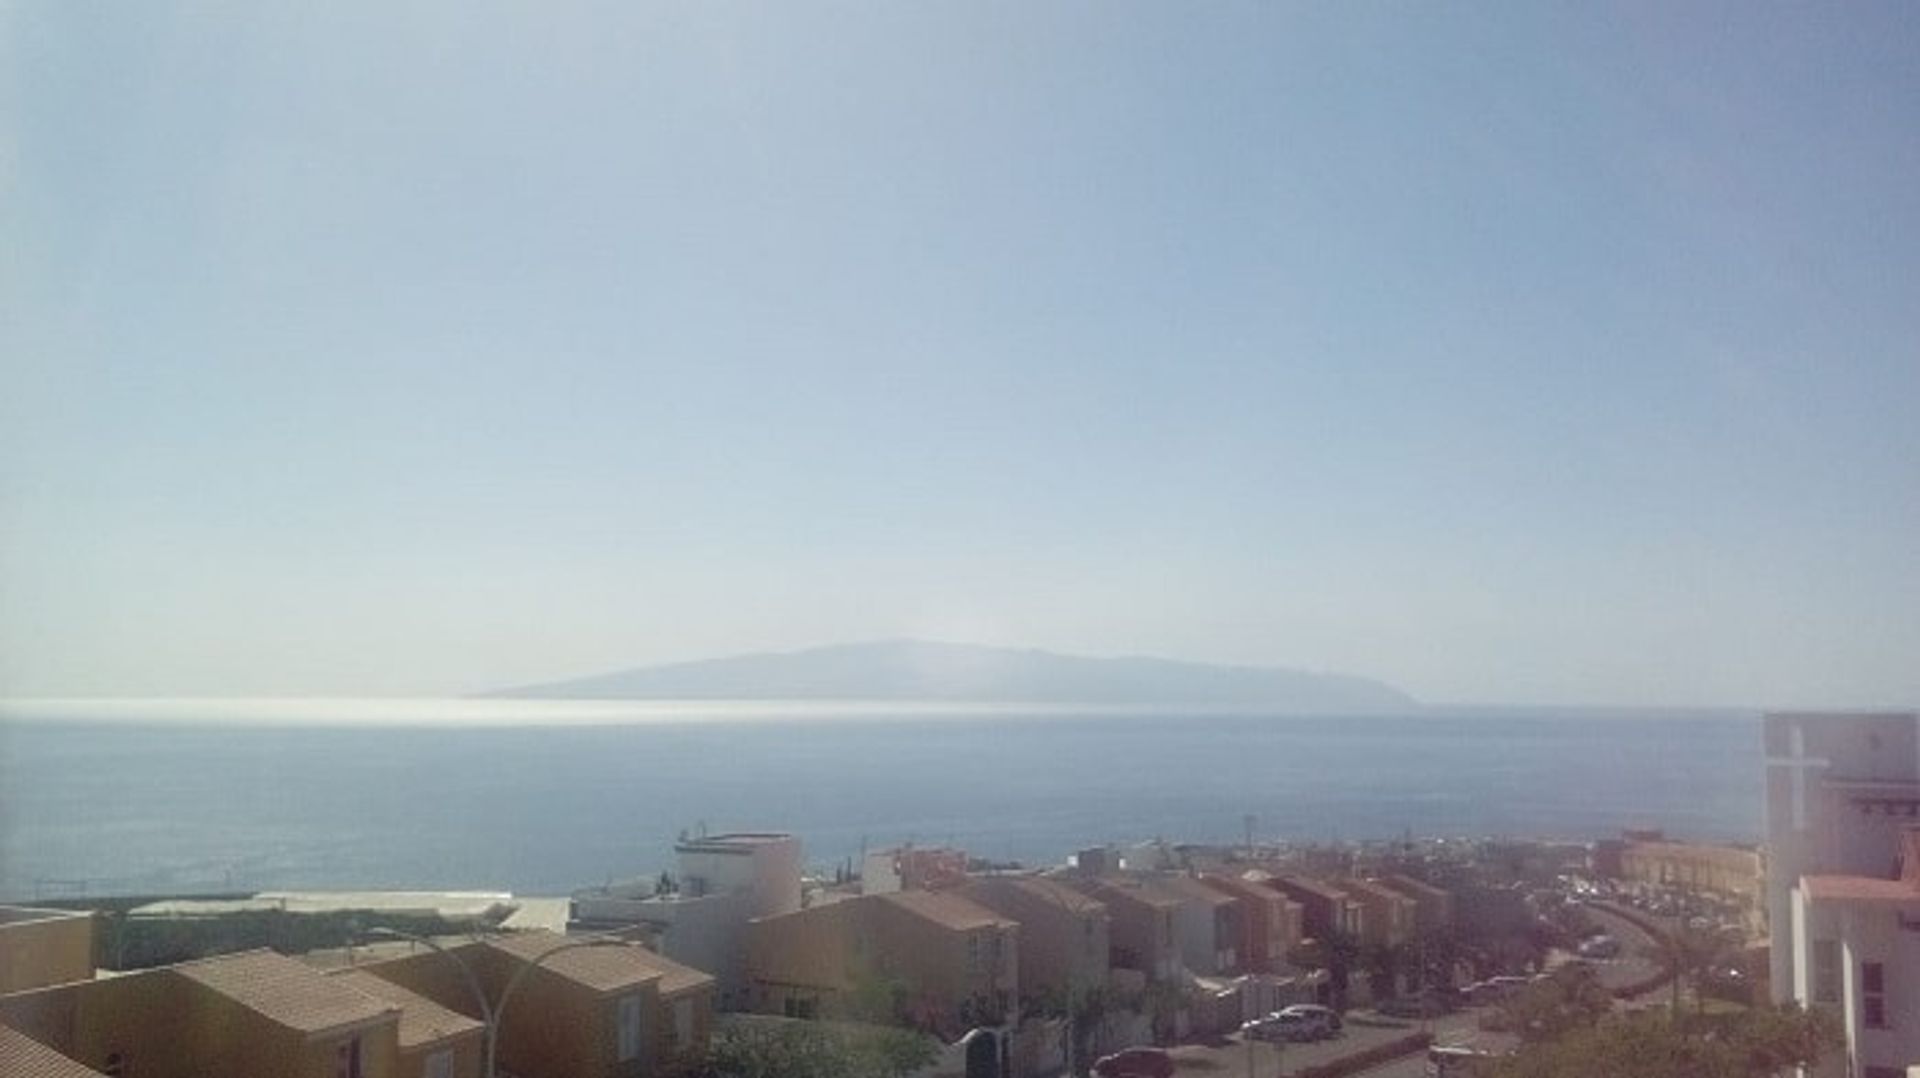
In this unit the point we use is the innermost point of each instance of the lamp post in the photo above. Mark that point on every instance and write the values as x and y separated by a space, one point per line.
490 1011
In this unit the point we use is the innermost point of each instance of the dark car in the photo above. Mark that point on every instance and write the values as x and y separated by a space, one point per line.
1135 1063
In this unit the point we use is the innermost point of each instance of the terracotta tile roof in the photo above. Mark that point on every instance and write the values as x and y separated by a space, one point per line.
1407 885
1131 889
675 978
1859 889
1188 889
23 1057
602 968
1318 888
422 1021
282 990
1057 893
945 908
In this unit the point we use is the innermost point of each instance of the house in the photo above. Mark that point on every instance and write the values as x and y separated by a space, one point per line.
1432 906
42 947
1270 923
1142 923
1843 877
935 959
1326 911
235 1016
723 882
433 1041
1387 916
1207 926
1065 936
582 1006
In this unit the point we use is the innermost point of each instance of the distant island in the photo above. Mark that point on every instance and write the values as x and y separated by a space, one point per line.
933 671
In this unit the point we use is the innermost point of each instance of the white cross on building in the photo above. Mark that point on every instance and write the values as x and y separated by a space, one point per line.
1801 763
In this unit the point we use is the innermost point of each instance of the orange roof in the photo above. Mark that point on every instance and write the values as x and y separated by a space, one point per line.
946 909
1858 889
422 1021
281 990
608 967
23 1057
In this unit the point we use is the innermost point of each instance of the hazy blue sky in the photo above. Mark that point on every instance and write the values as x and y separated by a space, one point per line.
1515 352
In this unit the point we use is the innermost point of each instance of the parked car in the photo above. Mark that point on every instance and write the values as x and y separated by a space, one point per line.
1135 1063
1326 1015
1599 947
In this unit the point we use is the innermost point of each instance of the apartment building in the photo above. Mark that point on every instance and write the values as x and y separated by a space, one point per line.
724 881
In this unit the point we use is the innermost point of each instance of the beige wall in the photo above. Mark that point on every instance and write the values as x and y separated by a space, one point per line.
469 1054
40 948
1062 949
553 1027
162 1025
821 957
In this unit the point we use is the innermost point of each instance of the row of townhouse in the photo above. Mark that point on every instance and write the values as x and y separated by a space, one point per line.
394 1011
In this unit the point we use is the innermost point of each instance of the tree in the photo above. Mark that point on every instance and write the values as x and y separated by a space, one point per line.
1748 1044
1573 998
1690 956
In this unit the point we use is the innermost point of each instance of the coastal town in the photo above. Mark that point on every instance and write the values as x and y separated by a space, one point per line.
1409 955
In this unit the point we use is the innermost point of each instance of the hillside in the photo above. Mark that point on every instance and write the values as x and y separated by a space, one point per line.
923 670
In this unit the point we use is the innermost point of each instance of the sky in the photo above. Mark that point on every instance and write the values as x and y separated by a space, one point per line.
1543 353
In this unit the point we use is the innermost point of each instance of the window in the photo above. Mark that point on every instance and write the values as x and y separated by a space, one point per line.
1826 971
1873 995
628 1047
346 1060
440 1064
116 1065
973 952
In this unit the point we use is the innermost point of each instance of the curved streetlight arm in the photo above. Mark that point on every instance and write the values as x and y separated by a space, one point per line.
520 974
466 972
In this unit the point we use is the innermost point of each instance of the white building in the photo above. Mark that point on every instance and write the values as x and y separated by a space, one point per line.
1843 878
724 881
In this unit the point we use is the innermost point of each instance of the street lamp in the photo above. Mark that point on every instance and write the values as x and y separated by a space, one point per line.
490 1012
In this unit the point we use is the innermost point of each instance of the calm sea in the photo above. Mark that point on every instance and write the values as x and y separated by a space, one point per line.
540 798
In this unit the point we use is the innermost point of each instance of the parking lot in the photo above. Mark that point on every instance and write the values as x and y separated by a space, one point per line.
1234 1056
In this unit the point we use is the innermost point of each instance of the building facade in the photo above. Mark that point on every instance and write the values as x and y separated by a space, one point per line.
1843 878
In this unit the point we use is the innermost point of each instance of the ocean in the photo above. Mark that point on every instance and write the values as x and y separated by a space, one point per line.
541 798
